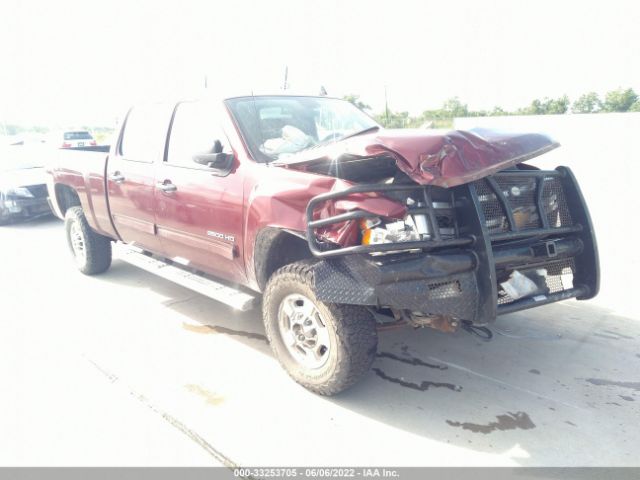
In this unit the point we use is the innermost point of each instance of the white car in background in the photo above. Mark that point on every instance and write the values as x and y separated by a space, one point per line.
77 138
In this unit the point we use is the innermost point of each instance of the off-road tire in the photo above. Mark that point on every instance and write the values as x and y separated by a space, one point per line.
352 330
97 258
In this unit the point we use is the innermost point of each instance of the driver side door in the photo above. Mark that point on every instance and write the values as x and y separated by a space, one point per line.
199 209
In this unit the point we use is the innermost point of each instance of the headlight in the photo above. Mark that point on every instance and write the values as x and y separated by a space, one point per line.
414 227
19 192
394 232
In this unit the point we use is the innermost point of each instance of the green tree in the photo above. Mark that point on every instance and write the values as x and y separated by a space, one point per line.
534 108
355 99
557 106
453 107
619 100
395 119
587 103
498 112
546 106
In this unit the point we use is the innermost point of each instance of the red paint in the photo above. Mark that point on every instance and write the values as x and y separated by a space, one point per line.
197 221
132 202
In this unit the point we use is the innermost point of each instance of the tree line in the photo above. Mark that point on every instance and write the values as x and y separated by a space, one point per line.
619 100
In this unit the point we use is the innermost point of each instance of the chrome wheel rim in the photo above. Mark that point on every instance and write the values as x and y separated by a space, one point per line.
77 243
303 331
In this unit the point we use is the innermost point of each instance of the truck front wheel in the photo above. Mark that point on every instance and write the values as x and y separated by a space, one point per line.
325 347
91 251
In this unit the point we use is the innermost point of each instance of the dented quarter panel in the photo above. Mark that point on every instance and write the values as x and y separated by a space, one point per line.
441 159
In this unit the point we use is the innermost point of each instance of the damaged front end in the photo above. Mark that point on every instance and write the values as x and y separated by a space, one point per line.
463 239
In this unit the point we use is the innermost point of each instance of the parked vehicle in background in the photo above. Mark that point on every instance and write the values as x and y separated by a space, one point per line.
23 189
77 138
341 225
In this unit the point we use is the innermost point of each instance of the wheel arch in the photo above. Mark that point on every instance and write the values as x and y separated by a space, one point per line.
65 198
275 248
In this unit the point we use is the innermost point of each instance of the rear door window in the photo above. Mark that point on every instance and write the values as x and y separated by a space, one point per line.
145 133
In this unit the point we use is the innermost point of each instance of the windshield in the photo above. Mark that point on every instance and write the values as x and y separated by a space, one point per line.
277 127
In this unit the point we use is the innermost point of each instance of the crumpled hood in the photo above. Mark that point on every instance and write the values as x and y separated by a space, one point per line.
434 158
22 178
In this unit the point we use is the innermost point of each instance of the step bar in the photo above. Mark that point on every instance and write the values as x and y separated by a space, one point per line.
230 296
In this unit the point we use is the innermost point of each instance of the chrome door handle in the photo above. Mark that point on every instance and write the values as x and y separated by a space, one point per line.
167 187
116 177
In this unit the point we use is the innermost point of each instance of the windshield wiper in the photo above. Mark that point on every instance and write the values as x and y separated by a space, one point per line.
322 144
361 132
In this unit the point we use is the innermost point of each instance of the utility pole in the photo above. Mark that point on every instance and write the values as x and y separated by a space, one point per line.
206 82
386 105
285 85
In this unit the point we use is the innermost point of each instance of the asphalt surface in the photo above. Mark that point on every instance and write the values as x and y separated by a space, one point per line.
129 369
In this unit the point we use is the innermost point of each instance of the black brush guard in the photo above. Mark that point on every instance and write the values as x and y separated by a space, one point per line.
459 276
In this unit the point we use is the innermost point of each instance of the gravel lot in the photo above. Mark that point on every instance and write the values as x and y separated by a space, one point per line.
128 369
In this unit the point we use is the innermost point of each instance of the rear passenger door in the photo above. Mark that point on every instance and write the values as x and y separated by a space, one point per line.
131 174
200 209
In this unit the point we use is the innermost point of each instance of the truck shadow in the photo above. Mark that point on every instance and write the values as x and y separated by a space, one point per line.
549 389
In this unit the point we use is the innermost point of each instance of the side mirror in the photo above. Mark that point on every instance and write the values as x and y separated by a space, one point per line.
220 161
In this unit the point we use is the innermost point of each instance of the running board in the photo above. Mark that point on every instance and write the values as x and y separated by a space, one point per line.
209 288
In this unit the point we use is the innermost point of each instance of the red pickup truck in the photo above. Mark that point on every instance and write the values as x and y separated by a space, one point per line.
341 226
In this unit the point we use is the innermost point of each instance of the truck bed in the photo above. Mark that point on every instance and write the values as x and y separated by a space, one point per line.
83 169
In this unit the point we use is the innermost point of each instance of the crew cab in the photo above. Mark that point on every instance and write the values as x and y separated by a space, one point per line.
341 226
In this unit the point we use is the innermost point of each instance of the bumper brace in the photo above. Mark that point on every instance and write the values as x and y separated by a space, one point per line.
457 277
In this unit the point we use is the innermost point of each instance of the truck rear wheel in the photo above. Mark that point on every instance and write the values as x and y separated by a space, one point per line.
325 347
91 251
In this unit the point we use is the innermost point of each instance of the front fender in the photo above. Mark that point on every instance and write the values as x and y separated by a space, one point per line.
278 198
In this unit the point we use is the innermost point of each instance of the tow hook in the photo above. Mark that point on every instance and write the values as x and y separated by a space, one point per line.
483 332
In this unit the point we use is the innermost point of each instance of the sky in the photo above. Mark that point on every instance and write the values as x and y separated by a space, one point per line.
68 62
